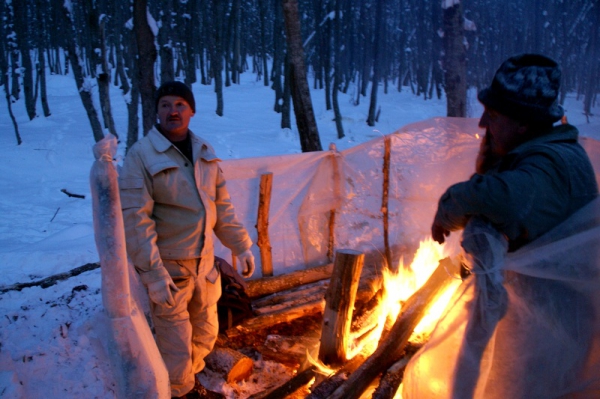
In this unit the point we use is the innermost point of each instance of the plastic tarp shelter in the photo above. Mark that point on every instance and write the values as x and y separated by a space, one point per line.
526 327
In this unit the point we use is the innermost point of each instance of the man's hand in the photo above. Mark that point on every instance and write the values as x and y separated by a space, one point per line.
438 233
246 263
160 291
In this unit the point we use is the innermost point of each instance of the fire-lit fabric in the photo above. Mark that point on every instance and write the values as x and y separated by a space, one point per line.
546 345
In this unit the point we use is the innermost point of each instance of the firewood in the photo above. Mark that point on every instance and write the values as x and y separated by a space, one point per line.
366 316
232 365
269 285
262 224
392 348
367 289
328 385
291 294
389 383
339 306
290 303
271 319
295 383
290 350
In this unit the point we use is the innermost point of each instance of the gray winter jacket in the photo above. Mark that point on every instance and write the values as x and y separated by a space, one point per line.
532 189
171 206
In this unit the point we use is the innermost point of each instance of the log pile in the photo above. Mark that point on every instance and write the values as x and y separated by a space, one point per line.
281 299
384 368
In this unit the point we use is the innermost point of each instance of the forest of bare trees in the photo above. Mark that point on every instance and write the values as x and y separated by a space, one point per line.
427 47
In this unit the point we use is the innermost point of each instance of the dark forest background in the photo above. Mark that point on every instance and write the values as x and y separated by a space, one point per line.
427 47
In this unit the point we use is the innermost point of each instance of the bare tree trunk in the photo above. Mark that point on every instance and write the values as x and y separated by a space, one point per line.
145 62
593 70
167 70
42 63
305 117
286 120
76 64
379 23
104 84
217 57
236 62
132 107
455 73
262 8
4 82
43 92
22 30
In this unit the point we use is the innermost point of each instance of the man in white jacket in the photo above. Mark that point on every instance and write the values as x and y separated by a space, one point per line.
174 197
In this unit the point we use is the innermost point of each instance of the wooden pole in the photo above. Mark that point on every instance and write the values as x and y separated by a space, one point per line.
336 176
262 224
385 201
340 298
392 348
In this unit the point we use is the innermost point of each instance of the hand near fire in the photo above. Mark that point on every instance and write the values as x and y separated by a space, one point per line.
439 233
246 263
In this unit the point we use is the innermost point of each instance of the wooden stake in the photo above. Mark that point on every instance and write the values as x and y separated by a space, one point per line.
331 243
340 298
385 201
392 348
262 224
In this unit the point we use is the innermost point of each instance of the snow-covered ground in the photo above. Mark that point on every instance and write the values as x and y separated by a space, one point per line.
50 342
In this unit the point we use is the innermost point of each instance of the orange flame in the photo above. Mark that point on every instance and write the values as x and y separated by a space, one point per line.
398 287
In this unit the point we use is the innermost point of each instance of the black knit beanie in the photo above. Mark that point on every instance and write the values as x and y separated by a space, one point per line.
525 88
175 88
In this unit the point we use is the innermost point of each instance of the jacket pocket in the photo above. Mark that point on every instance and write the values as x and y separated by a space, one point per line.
213 286
130 191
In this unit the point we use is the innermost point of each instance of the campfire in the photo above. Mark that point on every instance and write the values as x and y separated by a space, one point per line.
372 322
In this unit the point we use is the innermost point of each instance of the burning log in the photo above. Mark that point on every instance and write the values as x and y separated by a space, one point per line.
389 383
340 298
232 365
392 348
328 385
270 285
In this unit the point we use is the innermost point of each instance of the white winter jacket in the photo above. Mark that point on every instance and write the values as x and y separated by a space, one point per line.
172 206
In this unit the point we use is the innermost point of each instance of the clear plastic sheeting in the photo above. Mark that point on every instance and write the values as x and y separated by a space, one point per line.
426 157
546 345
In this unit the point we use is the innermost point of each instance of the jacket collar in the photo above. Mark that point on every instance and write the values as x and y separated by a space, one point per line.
200 147
559 133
